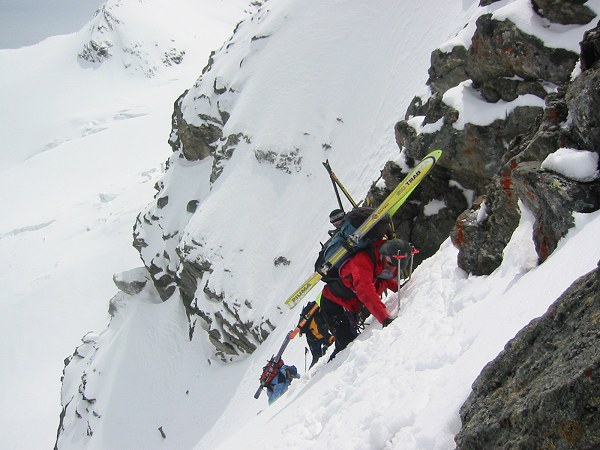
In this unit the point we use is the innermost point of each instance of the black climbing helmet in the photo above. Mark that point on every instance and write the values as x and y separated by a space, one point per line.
398 249
336 215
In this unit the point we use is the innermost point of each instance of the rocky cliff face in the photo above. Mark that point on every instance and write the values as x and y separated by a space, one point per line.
543 390
500 161
200 139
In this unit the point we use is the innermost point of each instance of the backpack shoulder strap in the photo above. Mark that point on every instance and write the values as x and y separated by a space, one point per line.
370 251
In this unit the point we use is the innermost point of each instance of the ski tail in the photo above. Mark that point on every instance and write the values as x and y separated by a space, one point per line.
304 289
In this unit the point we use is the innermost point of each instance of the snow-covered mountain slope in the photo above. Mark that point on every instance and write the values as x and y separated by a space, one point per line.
244 220
331 79
147 43
81 150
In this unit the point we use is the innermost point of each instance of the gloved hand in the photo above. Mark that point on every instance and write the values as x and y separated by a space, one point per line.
387 321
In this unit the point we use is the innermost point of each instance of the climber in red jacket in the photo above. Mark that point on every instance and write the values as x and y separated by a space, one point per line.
363 279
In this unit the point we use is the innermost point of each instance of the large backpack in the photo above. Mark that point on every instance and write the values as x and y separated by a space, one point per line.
352 220
270 371
315 326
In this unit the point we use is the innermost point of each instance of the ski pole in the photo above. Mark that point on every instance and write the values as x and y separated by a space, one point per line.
398 260
305 353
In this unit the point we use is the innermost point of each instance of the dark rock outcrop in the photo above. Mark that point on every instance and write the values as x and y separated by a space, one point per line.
504 62
500 163
132 281
553 198
565 12
501 64
583 102
543 389
472 155
590 49
447 70
427 218
482 236
195 142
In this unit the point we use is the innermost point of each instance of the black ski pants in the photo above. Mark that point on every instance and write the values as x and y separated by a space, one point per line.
318 347
341 322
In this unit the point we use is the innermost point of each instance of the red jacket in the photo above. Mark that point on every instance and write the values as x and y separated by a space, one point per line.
359 275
